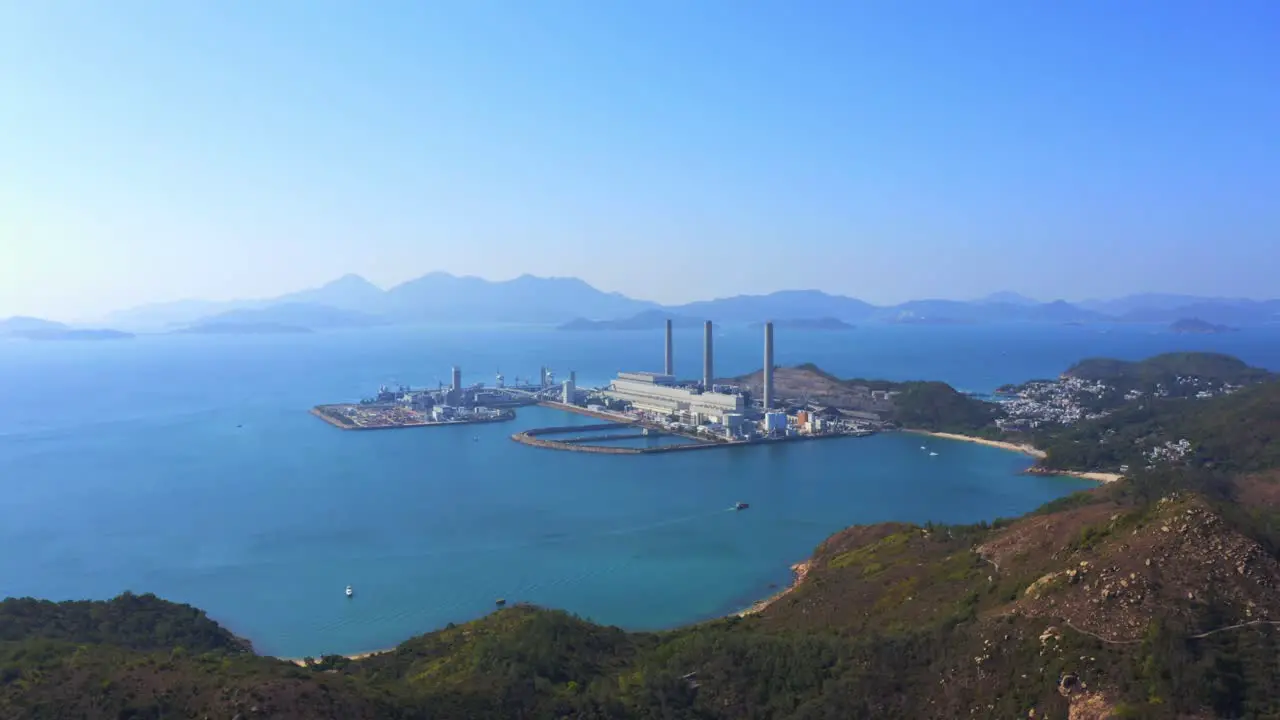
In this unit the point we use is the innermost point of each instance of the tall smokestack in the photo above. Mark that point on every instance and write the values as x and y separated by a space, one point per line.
707 377
669 367
768 365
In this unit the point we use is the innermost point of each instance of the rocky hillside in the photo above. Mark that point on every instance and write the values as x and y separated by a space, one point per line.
1155 597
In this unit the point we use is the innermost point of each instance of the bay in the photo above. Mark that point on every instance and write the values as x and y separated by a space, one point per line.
188 466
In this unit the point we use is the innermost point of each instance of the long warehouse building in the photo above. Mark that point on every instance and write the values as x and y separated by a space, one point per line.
658 392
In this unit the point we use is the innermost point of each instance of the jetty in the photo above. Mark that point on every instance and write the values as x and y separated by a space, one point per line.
583 437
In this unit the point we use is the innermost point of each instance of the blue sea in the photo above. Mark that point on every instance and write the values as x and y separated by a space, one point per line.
188 466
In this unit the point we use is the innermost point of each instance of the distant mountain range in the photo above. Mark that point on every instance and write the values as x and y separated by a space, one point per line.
352 302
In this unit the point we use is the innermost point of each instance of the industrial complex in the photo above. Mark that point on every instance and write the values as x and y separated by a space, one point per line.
709 409
702 410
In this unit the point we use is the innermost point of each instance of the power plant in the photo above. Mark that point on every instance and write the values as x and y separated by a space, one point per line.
768 366
662 393
698 409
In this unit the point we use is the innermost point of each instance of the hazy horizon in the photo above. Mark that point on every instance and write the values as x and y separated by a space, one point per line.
666 151
89 318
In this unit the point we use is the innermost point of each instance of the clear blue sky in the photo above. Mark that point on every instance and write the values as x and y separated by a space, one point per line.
669 150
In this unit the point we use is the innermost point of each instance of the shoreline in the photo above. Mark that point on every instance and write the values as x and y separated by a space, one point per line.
799 572
1025 449
302 662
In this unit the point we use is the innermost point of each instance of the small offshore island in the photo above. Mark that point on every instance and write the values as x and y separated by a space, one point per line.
1155 596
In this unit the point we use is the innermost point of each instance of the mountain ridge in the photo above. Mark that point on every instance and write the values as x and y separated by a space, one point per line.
443 297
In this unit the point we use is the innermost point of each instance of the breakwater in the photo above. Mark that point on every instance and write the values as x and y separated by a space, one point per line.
537 437
600 427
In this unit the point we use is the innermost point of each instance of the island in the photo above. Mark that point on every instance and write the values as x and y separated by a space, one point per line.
29 328
822 323
1156 596
647 320
244 328
73 334
1196 326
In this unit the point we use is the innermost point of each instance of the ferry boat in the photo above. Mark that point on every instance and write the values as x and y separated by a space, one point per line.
350 591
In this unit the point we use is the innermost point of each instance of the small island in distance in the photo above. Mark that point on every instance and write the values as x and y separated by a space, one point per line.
647 320
244 328
37 329
1196 326
822 323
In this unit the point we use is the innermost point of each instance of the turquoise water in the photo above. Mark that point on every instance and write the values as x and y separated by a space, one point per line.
188 467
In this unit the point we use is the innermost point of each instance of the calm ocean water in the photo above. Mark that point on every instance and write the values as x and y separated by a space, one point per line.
188 466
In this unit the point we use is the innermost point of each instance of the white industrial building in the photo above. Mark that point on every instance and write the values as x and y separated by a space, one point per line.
658 393
775 422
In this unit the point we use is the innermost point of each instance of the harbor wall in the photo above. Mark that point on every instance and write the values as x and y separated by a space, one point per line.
531 438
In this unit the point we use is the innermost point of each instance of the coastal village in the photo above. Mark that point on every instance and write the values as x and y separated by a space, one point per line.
1069 400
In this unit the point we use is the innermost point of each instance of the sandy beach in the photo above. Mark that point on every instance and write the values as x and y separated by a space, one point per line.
1015 447
1102 477
357 656
800 571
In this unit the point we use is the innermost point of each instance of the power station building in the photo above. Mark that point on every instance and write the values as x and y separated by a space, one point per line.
661 393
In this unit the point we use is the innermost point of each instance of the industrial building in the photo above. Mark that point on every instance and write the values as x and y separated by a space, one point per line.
569 391
659 393
662 393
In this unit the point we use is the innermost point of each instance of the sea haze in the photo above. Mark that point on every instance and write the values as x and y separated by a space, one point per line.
187 465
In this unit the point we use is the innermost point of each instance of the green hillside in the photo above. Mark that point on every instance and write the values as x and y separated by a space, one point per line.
1167 368
1236 432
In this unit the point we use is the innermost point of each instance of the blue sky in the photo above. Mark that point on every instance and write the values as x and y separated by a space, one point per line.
668 150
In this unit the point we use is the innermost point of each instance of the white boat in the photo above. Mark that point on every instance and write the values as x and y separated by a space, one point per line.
923 447
932 454
350 591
